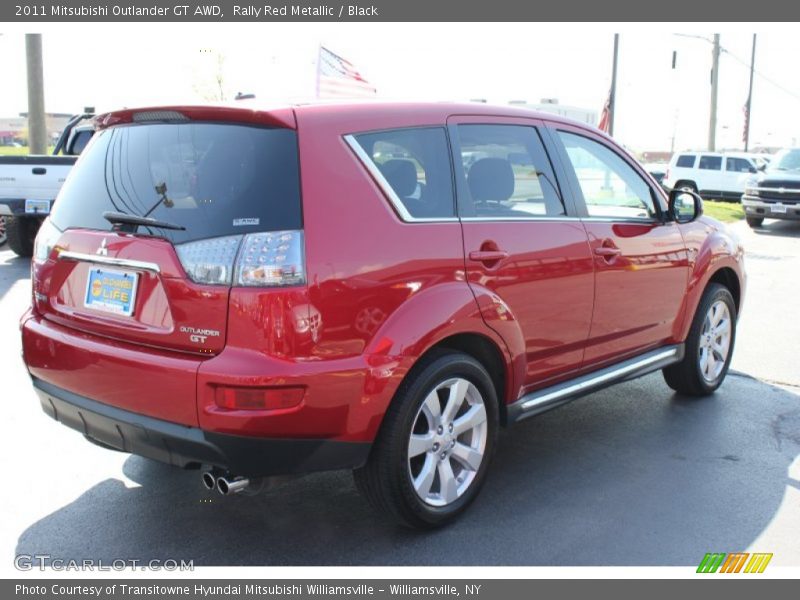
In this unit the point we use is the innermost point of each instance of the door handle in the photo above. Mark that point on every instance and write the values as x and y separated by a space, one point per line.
605 251
487 256
39 171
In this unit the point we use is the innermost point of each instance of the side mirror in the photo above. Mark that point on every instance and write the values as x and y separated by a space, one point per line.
763 166
684 206
753 169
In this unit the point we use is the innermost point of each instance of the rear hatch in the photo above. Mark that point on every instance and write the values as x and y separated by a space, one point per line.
210 185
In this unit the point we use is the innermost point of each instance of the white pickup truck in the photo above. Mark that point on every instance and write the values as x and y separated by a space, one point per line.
29 185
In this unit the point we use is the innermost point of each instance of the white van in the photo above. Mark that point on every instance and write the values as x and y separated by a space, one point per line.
711 174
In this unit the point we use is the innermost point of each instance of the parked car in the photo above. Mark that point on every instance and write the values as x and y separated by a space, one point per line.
28 184
711 174
264 292
775 193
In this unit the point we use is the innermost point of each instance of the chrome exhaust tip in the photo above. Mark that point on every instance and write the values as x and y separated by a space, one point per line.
227 486
208 480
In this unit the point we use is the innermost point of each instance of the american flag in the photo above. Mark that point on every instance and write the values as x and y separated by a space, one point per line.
605 116
338 78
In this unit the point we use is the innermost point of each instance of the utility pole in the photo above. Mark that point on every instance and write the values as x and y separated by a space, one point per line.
749 98
37 126
612 104
712 121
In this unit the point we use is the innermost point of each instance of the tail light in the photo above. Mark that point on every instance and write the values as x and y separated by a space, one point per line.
666 174
270 259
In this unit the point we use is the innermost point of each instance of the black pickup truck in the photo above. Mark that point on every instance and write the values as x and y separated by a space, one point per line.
775 193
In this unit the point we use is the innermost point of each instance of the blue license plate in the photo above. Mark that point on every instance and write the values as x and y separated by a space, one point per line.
111 291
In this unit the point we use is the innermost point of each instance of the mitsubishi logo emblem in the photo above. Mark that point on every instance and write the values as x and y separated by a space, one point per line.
102 250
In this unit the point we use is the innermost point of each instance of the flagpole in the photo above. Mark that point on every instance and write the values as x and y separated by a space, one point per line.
613 95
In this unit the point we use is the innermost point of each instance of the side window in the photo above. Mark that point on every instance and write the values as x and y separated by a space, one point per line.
505 173
415 163
738 165
685 161
610 186
710 163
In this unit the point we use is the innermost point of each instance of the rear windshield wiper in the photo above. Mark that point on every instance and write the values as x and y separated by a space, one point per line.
130 223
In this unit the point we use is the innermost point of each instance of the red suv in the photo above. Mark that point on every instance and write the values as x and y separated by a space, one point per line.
375 287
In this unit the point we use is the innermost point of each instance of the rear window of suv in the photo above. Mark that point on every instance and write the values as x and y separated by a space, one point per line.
686 161
214 179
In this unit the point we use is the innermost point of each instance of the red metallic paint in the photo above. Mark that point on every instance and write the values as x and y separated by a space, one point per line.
380 294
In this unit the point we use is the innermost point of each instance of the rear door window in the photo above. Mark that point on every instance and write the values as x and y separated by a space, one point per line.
738 165
413 166
685 161
213 179
710 163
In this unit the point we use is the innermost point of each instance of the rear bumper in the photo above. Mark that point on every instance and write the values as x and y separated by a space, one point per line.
15 207
762 208
190 447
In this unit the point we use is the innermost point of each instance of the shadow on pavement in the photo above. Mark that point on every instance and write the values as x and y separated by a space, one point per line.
628 476
789 229
12 269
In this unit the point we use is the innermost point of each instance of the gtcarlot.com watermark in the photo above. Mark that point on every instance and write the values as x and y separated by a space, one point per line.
42 562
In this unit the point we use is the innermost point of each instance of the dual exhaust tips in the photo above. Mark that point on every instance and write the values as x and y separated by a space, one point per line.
223 484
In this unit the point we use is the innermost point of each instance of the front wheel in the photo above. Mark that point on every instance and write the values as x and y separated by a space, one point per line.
433 452
755 221
709 347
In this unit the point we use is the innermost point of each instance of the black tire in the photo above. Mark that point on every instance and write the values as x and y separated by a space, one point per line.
754 221
3 236
386 479
21 232
686 377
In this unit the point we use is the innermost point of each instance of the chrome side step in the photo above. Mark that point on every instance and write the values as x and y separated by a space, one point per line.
556 395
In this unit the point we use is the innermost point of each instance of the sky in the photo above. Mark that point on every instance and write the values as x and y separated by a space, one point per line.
115 65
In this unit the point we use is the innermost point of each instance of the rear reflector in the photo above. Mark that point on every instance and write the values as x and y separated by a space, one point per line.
259 398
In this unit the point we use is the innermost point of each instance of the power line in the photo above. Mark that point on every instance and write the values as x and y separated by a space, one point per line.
744 63
760 74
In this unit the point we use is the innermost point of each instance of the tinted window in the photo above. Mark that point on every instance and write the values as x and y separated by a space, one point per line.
786 160
738 165
213 179
686 161
610 186
416 165
505 173
710 163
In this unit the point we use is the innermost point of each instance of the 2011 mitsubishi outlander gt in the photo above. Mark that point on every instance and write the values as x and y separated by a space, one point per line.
375 287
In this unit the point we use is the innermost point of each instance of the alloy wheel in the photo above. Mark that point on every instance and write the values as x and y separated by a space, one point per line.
715 341
448 442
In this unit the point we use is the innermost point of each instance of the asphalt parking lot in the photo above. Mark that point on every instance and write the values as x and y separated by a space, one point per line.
634 475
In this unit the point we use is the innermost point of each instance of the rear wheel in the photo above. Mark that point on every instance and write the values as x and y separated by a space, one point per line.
755 221
708 348
433 452
3 236
21 232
